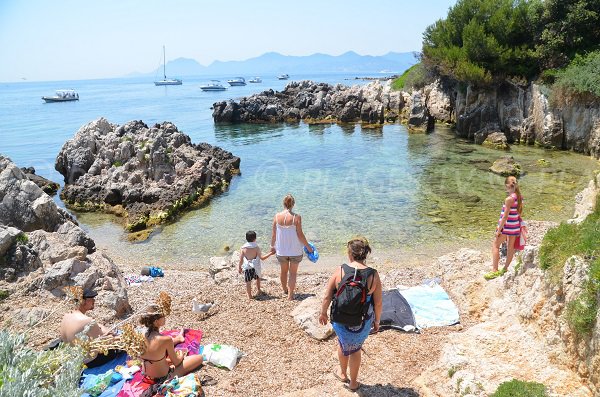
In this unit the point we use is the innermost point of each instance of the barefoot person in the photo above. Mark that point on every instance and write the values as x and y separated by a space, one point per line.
250 262
160 361
352 321
509 226
77 323
287 241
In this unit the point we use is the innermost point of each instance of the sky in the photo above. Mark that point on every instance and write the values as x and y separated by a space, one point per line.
45 40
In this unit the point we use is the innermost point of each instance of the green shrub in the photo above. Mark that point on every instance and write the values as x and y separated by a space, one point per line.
483 39
567 240
580 79
118 163
4 294
518 388
414 77
561 243
26 372
22 238
581 313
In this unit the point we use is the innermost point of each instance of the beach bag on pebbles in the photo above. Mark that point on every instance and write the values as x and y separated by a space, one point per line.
223 356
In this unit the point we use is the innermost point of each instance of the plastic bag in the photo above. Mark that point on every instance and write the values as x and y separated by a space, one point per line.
312 256
223 356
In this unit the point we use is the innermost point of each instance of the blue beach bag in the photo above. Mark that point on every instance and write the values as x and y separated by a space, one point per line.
156 272
312 256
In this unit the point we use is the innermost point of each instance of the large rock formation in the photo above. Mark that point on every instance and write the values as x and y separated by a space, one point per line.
373 103
42 249
145 174
521 112
522 331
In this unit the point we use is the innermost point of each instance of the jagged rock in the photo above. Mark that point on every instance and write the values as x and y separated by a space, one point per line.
49 251
146 174
373 103
440 101
306 315
29 316
19 261
221 263
61 273
585 201
46 185
52 248
23 204
542 125
506 166
419 118
8 236
496 140
522 113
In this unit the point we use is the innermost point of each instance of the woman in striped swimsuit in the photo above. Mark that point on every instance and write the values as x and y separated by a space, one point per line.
509 225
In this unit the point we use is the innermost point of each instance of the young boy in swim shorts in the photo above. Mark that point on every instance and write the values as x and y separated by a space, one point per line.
250 257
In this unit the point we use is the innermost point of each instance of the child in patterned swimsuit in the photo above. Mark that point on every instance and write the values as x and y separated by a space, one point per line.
250 257
509 226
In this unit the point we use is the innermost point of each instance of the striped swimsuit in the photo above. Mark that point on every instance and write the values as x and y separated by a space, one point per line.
512 227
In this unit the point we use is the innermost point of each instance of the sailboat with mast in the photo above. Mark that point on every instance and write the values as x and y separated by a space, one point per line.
165 80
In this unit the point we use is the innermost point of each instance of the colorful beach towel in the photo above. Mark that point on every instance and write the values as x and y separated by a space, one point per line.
185 386
89 375
192 340
136 386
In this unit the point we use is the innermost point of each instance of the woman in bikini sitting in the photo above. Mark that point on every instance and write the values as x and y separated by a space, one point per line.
161 362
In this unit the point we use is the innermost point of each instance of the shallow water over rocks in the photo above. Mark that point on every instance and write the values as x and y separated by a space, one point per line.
410 194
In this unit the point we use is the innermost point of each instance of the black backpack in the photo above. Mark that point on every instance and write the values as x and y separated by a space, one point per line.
349 305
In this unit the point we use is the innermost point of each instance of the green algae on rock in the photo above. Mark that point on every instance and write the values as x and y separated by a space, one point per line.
144 175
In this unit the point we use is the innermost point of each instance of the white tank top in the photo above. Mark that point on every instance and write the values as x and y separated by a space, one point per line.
287 242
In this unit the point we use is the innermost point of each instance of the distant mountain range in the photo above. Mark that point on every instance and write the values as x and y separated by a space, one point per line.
273 62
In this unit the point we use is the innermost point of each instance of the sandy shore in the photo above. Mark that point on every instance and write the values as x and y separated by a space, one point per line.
279 357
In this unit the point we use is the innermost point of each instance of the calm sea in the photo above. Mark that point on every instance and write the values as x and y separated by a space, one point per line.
405 192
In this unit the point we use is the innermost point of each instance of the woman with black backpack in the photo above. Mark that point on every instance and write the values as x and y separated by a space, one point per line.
354 292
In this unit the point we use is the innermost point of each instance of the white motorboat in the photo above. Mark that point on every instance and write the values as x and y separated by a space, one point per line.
238 81
255 80
284 76
165 80
214 85
62 96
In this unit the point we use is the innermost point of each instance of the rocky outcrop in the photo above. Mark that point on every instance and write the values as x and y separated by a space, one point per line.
522 331
506 166
419 119
145 174
42 249
521 112
585 201
46 185
496 140
306 315
373 103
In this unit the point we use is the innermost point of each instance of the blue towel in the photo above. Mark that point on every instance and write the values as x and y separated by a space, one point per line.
431 305
113 389
312 256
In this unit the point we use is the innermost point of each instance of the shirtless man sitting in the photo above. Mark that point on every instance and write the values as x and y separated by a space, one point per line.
76 321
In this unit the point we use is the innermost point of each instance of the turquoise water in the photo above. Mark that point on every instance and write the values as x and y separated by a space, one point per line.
404 192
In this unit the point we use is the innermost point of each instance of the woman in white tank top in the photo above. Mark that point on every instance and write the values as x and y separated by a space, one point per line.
287 242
